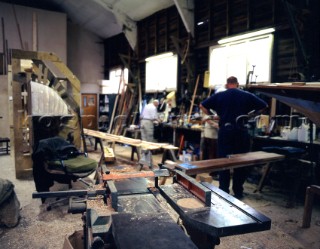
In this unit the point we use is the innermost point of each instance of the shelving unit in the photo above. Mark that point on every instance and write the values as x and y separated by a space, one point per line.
104 111
305 101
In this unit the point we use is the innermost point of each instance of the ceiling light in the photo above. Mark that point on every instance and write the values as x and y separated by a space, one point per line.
246 36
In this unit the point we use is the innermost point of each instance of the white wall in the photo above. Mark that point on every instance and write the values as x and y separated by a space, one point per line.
90 88
85 58
51 29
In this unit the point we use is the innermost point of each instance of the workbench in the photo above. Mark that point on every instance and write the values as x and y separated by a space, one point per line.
138 144
178 134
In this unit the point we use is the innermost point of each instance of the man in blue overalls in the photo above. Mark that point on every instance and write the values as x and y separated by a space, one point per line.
233 138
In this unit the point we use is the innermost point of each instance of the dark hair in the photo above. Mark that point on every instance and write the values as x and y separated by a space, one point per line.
232 80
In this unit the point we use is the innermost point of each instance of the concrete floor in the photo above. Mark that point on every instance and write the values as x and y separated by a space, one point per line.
43 229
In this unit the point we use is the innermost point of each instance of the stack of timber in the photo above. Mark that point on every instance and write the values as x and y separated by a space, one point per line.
125 106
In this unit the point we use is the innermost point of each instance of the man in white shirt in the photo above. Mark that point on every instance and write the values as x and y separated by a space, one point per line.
148 117
209 138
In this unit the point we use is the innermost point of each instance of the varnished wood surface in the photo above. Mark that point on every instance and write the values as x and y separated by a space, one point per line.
234 161
291 86
126 175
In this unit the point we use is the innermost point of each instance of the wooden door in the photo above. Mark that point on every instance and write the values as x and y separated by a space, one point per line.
89 111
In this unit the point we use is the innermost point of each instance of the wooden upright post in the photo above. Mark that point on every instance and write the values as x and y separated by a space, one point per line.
193 97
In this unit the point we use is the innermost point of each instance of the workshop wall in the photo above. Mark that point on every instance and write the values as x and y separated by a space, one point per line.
113 48
156 34
162 32
20 22
85 57
296 42
82 51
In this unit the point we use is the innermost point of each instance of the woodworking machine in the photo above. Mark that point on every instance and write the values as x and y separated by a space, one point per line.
185 214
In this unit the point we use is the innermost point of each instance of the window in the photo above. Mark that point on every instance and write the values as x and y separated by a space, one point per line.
161 72
237 57
115 84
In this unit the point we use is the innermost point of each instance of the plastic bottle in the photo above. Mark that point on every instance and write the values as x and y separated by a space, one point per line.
185 119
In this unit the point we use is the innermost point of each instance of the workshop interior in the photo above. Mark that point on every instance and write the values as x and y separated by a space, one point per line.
78 78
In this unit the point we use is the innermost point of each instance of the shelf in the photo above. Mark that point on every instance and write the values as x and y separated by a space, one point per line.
305 99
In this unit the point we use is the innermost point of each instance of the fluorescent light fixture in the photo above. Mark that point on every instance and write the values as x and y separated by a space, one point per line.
246 36
160 56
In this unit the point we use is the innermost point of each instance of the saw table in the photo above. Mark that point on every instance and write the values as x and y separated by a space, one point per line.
138 213
148 217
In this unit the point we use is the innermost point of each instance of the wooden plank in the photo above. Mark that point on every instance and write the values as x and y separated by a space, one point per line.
193 98
31 55
23 163
130 141
116 176
234 161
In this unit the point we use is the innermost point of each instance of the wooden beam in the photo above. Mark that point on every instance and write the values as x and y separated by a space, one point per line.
129 27
129 141
186 11
193 97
